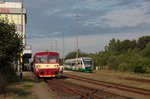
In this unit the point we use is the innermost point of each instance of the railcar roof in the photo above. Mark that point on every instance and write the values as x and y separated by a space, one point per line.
78 58
46 53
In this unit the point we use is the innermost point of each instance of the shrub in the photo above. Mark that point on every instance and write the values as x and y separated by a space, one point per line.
138 65
123 67
112 63
3 84
139 69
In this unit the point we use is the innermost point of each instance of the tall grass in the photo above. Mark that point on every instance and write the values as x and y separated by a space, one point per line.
7 78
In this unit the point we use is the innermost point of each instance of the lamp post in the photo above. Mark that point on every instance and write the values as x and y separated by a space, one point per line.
63 47
77 19
56 45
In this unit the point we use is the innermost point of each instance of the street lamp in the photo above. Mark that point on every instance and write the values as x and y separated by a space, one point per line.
63 47
77 19
56 45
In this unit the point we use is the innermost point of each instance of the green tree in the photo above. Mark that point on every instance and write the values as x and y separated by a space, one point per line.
146 51
113 47
143 41
112 63
126 55
117 47
73 54
10 46
126 45
10 43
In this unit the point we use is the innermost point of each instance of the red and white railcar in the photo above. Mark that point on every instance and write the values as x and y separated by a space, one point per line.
46 64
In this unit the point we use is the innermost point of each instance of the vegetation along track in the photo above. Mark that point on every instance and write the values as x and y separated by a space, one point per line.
137 79
144 80
111 85
64 89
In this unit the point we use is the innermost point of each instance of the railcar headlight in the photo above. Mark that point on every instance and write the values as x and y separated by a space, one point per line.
37 66
55 65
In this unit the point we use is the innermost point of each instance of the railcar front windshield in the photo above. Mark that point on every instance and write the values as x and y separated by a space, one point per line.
53 59
87 62
41 59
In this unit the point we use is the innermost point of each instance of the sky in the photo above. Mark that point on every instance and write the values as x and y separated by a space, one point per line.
99 21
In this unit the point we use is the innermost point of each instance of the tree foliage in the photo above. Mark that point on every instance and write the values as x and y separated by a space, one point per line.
143 41
10 43
73 54
129 55
10 46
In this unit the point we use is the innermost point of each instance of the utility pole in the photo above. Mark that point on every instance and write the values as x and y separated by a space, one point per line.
21 54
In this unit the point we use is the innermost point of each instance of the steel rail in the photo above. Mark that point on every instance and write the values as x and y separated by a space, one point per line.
112 85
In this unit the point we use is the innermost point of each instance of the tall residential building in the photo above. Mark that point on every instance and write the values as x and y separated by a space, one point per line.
14 12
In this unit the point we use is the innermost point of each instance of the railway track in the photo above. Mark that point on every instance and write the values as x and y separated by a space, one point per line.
111 85
63 89
80 92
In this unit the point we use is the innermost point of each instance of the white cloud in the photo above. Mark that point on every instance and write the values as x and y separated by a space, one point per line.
69 15
122 18
55 33
126 18
94 5
52 11
92 1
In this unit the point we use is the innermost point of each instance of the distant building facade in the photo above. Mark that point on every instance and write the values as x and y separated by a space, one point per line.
15 13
